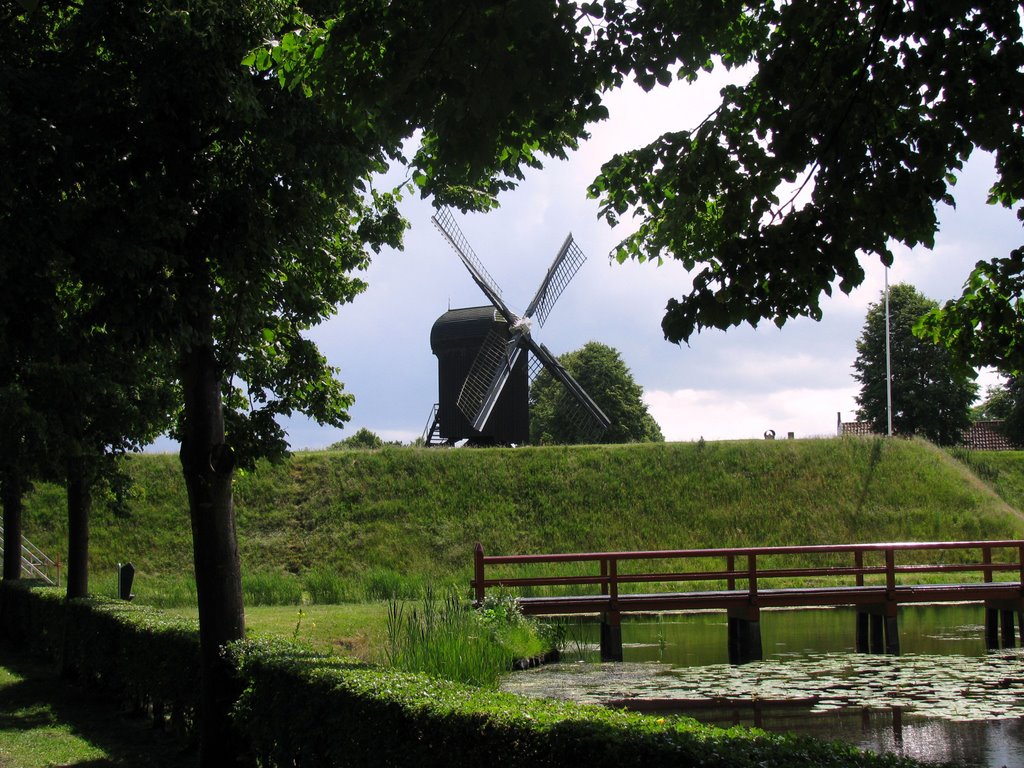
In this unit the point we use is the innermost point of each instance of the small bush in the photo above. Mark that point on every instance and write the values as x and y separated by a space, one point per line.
446 638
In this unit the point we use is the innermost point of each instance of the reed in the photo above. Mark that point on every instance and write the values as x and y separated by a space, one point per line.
445 638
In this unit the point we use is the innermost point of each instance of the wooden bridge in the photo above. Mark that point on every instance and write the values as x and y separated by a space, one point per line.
874 578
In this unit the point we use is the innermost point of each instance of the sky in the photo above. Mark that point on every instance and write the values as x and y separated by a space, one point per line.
723 385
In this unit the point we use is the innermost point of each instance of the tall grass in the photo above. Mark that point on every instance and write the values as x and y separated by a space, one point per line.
386 584
446 638
327 587
271 588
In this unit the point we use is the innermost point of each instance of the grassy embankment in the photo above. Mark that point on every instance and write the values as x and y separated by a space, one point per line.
1003 471
338 526
361 524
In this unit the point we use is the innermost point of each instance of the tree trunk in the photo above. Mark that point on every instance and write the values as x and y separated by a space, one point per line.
207 464
79 504
10 490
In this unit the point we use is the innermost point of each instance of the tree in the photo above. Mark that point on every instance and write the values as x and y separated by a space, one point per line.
71 400
930 395
985 326
601 372
851 130
363 438
209 216
998 404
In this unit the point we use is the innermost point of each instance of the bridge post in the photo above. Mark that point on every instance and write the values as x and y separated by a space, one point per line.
1000 630
1006 619
745 635
611 621
991 628
892 633
863 621
478 574
611 636
876 633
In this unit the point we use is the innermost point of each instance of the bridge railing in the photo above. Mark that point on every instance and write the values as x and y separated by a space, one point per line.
895 562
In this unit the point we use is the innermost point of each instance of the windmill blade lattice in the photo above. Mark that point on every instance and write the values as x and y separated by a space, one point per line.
575 417
587 406
445 223
486 379
562 270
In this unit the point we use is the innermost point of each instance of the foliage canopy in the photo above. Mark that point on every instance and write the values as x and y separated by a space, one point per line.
600 370
1005 402
851 130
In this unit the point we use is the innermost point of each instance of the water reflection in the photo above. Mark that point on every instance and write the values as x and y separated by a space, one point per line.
944 699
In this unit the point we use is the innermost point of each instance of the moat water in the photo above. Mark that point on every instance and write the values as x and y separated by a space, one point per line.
945 698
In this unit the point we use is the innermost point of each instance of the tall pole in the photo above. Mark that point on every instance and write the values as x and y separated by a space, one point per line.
888 362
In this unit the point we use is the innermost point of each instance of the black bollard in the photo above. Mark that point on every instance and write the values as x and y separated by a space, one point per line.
125 577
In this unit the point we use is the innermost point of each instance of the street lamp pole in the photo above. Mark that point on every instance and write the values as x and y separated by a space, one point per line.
888 362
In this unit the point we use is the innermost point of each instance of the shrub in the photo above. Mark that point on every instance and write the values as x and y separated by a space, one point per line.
303 708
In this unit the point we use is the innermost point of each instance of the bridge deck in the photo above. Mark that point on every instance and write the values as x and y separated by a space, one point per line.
861 596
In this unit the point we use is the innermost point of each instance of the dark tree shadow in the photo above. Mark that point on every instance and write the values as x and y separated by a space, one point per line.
869 477
43 699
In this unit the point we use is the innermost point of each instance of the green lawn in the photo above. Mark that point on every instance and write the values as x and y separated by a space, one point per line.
45 721
351 629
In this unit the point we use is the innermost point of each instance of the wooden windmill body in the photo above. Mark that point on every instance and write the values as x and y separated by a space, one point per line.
456 338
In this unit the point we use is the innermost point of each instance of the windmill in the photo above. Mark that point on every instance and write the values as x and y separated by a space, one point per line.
503 338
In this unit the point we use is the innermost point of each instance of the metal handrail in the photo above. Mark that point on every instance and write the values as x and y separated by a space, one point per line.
33 561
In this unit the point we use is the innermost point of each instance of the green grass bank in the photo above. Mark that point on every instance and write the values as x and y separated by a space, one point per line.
401 511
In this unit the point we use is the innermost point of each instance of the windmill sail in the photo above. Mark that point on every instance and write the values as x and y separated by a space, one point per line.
562 270
555 368
445 223
487 378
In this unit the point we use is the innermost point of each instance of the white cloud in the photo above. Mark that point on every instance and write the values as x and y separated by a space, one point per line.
689 414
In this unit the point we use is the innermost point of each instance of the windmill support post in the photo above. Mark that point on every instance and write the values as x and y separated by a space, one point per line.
611 636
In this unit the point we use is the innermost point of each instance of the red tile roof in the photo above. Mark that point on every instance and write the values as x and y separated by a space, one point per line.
987 436
980 436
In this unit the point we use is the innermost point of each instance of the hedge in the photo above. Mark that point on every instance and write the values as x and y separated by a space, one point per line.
141 656
306 709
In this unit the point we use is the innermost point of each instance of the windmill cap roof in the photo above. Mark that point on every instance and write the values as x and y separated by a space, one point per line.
459 325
